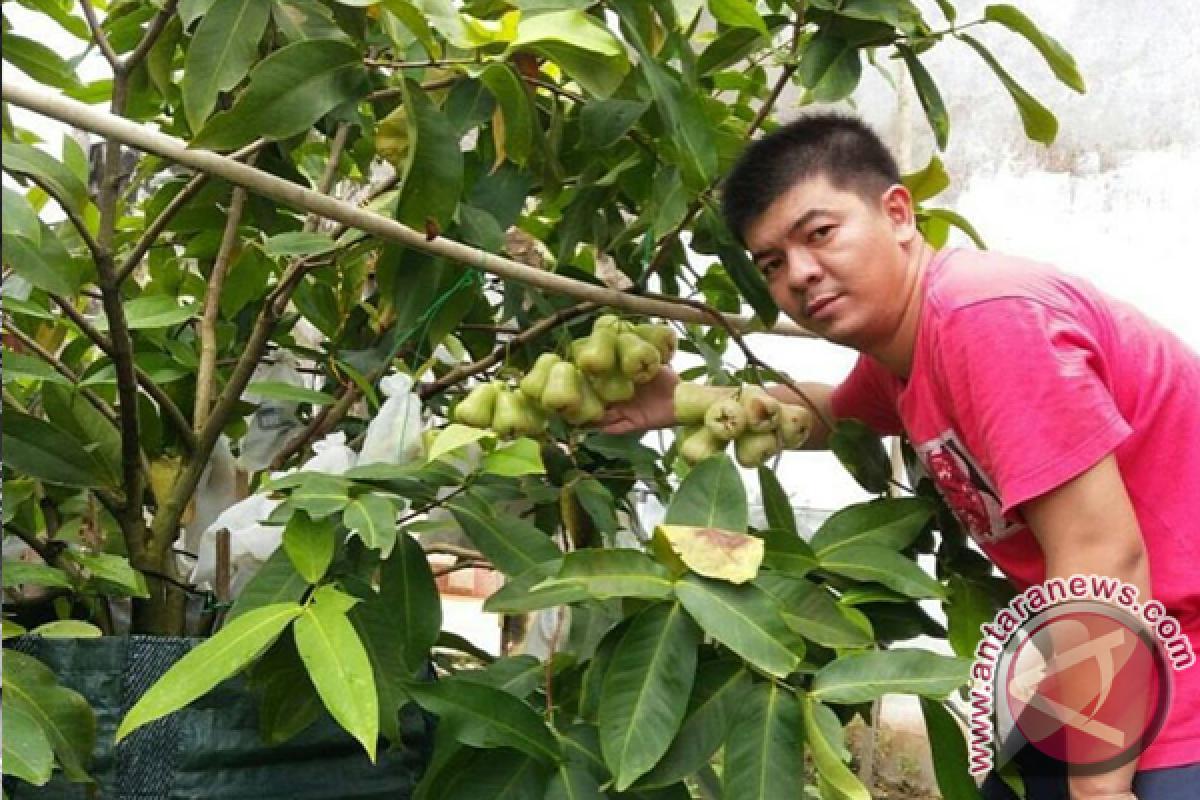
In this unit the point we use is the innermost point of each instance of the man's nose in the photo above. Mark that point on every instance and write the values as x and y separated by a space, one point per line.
803 269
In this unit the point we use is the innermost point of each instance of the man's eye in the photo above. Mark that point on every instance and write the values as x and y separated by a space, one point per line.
820 234
768 267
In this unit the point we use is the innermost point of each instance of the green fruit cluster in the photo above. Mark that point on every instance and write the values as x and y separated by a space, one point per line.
759 426
602 368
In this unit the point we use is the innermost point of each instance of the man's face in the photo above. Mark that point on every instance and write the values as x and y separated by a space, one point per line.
834 262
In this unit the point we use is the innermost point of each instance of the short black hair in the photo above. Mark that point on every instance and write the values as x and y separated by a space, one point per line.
839 147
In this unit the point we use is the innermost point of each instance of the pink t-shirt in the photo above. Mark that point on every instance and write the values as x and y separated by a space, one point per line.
1024 377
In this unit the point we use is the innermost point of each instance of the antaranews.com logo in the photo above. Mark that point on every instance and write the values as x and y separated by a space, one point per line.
1078 668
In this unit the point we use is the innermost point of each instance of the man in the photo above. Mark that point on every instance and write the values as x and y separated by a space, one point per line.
1062 426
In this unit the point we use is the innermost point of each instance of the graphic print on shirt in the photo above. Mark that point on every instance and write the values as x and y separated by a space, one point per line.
966 488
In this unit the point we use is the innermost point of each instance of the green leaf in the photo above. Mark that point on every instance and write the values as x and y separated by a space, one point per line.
321 495
763 759
517 675
788 553
381 630
407 586
711 496
513 545
63 715
339 668
433 168
11 629
860 677
603 123
573 782
929 95
454 436
862 453
474 775
729 48
68 629
776 505
1040 124
522 457
830 68
811 611
212 661
1057 57
47 266
484 716
25 573
958 221
373 518
606 573
28 755
221 51
970 605
599 504
20 367
19 218
289 91
23 159
518 595
893 522
298 243
506 87
929 182
743 618
310 545
279 390
870 562
580 44
738 267
738 14
645 691
716 701
40 450
415 21
276 582
154 311
823 732
38 61
949 751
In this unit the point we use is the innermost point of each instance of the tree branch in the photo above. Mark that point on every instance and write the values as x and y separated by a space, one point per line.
542 326
62 369
190 190
102 42
76 221
282 191
164 402
206 373
331 169
157 25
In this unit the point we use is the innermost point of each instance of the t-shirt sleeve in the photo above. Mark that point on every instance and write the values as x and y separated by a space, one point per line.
868 396
1030 392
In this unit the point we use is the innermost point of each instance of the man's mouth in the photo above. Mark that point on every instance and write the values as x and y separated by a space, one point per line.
820 304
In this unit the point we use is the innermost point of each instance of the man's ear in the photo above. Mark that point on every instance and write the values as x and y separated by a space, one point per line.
897 206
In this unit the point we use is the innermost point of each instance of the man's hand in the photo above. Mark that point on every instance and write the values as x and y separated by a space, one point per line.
652 407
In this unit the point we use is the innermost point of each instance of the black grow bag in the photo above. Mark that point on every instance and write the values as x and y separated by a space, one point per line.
210 750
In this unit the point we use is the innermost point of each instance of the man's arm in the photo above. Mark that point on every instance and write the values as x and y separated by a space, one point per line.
1087 526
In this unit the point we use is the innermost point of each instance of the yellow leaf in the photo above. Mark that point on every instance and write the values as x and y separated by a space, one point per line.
711 552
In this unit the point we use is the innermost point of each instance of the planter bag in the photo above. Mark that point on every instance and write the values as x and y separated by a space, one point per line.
210 750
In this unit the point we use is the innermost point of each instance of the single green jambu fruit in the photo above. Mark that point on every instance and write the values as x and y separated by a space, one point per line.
613 387
755 449
598 353
591 409
795 425
725 419
639 359
661 336
692 401
478 406
534 382
699 444
511 412
762 410
564 389
609 322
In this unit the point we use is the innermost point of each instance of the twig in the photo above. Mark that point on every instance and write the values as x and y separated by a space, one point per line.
428 86
321 424
282 191
559 612
431 64
71 212
331 169
412 515
157 25
542 326
457 552
437 573
150 236
98 34
62 369
206 372
164 402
